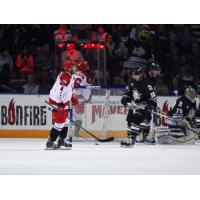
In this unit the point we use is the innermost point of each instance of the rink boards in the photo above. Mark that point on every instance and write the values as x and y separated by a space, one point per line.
29 117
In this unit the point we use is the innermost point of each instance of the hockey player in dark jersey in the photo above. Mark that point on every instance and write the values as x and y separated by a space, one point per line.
152 73
143 98
184 114
185 106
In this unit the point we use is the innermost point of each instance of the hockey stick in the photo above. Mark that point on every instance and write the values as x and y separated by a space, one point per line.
152 112
74 122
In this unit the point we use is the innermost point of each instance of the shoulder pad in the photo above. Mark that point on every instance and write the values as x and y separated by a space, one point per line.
65 79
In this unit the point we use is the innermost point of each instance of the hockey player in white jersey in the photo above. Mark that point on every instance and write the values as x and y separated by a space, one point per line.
82 78
60 96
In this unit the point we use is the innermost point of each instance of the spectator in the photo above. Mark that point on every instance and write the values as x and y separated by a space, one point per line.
25 62
4 75
75 37
184 38
195 31
176 88
162 88
16 40
196 83
46 83
110 52
62 34
183 60
101 34
44 59
194 56
9 59
122 52
123 77
94 36
110 45
185 76
116 81
30 87
2 38
133 33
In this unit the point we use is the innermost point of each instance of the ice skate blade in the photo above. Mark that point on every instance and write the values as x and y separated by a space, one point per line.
150 143
50 149
124 146
65 148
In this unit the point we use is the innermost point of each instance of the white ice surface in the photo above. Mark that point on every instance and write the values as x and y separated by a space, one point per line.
27 156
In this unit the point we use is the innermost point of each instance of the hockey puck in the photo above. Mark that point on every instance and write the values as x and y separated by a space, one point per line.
96 143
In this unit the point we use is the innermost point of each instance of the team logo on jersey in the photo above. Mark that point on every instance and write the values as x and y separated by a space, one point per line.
150 87
180 104
136 95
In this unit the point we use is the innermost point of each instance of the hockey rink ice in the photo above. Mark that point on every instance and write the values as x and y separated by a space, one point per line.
27 157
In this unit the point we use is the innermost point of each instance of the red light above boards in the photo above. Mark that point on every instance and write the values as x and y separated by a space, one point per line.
89 45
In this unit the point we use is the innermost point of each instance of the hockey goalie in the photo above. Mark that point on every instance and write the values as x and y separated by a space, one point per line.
184 121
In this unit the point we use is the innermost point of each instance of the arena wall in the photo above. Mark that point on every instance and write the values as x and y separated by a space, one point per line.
27 116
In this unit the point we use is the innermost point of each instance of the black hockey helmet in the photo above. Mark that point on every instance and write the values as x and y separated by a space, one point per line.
153 66
137 70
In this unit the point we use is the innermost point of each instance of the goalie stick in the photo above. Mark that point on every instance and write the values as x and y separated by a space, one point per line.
74 122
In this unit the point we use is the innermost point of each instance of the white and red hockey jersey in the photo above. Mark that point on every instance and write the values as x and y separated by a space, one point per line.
62 90
82 79
83 95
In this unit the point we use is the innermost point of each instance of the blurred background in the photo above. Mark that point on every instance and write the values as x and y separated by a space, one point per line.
32 55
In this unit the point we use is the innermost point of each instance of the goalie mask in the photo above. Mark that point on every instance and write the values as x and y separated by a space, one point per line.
190 93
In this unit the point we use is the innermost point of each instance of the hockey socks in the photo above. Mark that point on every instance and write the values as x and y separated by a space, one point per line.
54 134
63 133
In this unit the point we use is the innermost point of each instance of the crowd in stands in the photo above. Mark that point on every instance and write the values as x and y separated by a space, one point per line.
32 55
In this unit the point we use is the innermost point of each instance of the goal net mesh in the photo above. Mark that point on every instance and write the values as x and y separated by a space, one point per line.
100 112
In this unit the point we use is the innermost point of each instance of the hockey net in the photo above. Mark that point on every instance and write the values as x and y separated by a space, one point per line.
100 112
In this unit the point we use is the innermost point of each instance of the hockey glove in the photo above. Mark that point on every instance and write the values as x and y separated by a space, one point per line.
74 100
125 100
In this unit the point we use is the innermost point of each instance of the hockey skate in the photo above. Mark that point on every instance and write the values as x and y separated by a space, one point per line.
50 145
64 145
150 140
128 143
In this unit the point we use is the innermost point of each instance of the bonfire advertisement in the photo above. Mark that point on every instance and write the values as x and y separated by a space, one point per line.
19 112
